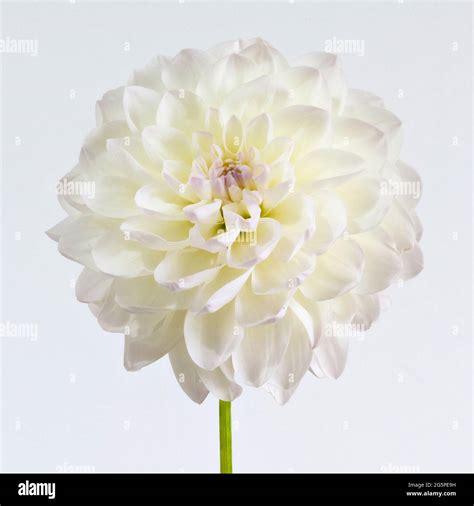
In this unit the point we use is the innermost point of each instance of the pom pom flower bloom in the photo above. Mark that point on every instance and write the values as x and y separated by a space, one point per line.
244 209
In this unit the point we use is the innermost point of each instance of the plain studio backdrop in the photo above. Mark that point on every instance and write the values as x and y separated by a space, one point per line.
404 402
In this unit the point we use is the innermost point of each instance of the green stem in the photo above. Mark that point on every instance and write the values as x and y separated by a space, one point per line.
225 432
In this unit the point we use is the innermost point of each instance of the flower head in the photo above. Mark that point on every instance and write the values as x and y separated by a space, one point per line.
246 214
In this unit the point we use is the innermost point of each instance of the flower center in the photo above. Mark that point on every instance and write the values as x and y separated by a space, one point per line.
229 174
230 166
232 172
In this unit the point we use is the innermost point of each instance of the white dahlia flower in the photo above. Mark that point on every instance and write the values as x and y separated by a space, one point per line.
240 211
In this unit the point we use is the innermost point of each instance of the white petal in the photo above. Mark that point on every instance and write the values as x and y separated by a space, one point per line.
368 310
259 131
365 203
281 395
110 316
331 221
308 86
412 262
150 75
266 57
181 110
177 175
318 60
142 325
140 105
330 355
233 135
262 95
274 275
204 212
323 168
219 385
92 286
186 373
185 69
220 290
80 236
361 138
212 238
70 204
156 234
201 186
203 143
128 159
226 48
358 98
115 255
95 143
344 308
212 337
59 229
233 216
252 309
181 270
141 351
274 195
337 271
385 121
417 224
328 65
278 150
145 295
313 315
228 369
305 319
383 264
253 247
114 197
161 200
399 225
223 76
260 351
166 143
410 186
308 127
297 358
110 107
214 123
296 216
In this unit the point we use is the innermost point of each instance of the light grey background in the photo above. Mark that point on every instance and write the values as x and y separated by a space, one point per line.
405 400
